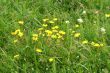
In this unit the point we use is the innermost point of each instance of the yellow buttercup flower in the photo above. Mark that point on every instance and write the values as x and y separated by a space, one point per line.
55 19
76 35
51 22
85 42
20 34
40 29
16 32
51 59
48 32
44 25
55 30
38 50
54 36
73 31
92 43
101 45
59 36
96 45
15 41
21 22
107 15
16 56
55 27
76 26
46 19
62 32
35 37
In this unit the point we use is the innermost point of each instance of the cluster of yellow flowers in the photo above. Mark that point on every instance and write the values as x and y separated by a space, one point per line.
51 31
107 15
17 32
35 37
97 45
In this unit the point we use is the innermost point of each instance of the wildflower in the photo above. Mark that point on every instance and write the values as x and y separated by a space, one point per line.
54 36
40 29
80 20
35 37
21 22
96 45
16 56
103 30
16 32
84 12
45 19
62 32
55 27
20 34
44 25
107 15
38 50
55 19
101 45
15 41
54 30
73 31
59 36
92 43
76 26
67 22
85 42
49 33
76 35
51 22
51 59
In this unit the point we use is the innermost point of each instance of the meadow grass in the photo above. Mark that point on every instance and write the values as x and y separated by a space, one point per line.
54 36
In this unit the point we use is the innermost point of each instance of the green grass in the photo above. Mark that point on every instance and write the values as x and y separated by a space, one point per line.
69 54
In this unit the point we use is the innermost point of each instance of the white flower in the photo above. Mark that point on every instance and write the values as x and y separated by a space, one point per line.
80 20
84 12
67 22
103 30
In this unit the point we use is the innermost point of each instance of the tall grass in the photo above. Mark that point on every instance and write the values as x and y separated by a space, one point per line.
65 55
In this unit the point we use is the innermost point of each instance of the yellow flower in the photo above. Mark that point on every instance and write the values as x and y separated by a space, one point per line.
51 59
15 41
16 56
92 43
101 45
55 19
76 26
96 45
54 30
59 36
20 34
40 29
49 33
73 31
45 19
54 36
76 35
16 32
62 32
85 42
55 27
107 15
21 22
35 37
38 50
51 22
44 25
